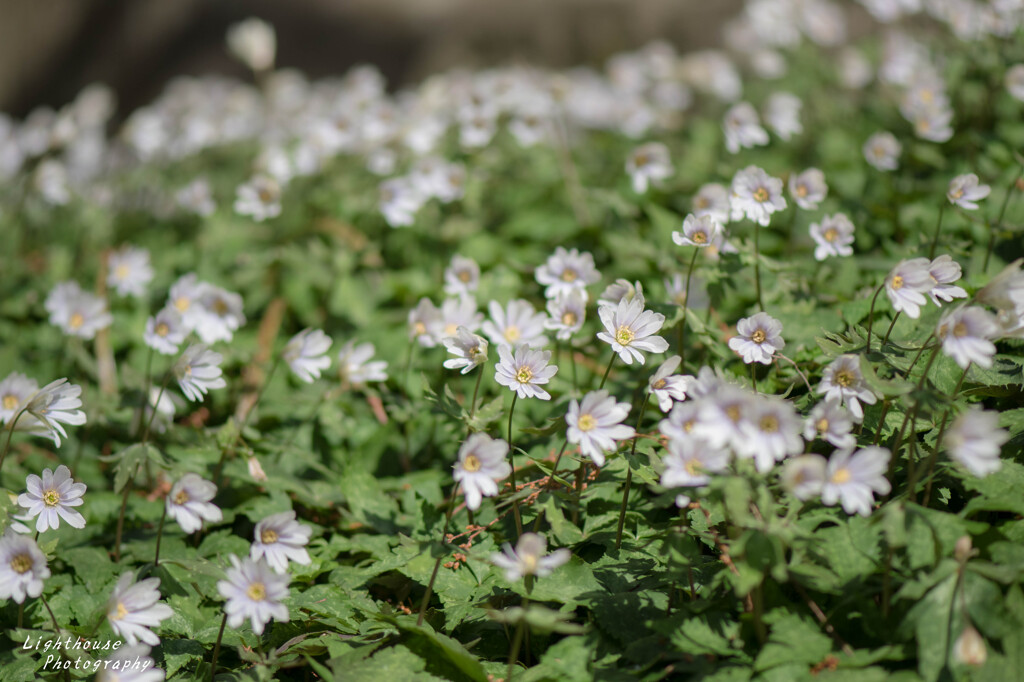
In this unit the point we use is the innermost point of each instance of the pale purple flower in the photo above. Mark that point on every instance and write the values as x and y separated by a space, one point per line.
189 503
260 198
595 424
516 323
966 335
15 389
843 382
758 338
129 271
566 314
354 364
630 329
279 538
455 312
804 476
134 608
975 440
722 416
756 195
647 165
462 276
482 463
253 591
833 236
965 191
808 189
529 558
220 314
944 271
198 371
742 128
54 404
832 422
423 323
667 387
689 461
772 428
22 567
882 150
907 284
524 370
306 354
52 498
469 349
77 312
700 232
567 271
782 113
712 200
165 331
620 290
852 478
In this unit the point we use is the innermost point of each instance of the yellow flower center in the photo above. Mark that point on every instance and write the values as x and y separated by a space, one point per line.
10 401
51 498
586 422
624 335
959 330
769 424
266 196
257 592
76 321
21 563
122 271
956 194
659 384
472 463
761 195
182 303
831 234
569 319
268 536
759 336
181 497
451 329
841 476
464 276
569 275
162 329
121 611
512 334
529 564
419 328
220 307
641 160
700 237
693 467
845 378
688 426
822 425
801 190
897 282
701 203
524 375
733 412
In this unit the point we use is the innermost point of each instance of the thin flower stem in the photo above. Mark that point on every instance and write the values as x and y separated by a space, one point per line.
10 432
21 615
229 450
550 483
120 520
938 439
911 414
881 421
753 376
629 471
575 370
757 264
938 228
999 222
871 316
607 370
512 462
798 371
216 647
53 618
159 536
437 564
517 642
580 473
686 303
891 325
146 385
408 365
472 403
152 415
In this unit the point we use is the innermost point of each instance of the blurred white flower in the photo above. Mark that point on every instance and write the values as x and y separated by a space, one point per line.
566 271
595 424
843 382
808 188
165 331
354 364
804 476
529 558
306 354
782 113
566 313
833 236
756 195
15 389
22 568
852 478
254 43
198 371
279 538
517 323
79 313
134 608
197 198
481 464
975 441
189 503
697 231
882 150
54 404
648 165
260 198
469 349
129 271
742 128
832 422
667 387
965 191
966 335
906 285
462 276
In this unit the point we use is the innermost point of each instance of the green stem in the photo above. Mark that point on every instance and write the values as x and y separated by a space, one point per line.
10 433
216 647
53 618
686 303
938 440
999 222
160 536
871 316
437 564
120 520
757 264
607 370
512 462
938 227
517 641
629 472
156 403
891 325
472 404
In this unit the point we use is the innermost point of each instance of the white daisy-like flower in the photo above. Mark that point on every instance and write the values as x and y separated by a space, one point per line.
134 608
595 424
129 271
54 404
975 440
15 389
306 354
851 478
354 364
833 236
1014 81
630 329
756 195
221 314
621 290
567 313
712 199
279 538
689 461
481 464
198 371
965 191
255 592
529 558
423 322
79 313
455 312
906 285
855 70
524 370
254 42
843 382
462 276
185 296
667 387
721 417
683 421
165 331
966 335
742 128
782 113
399 201
830 421
22 567
944 271
517 323
129 664
197 198
469 349
566 271
804 476
52 498
260 198
773 430
648 165
189 503
758 338
697 231
933 123
808 189
882 150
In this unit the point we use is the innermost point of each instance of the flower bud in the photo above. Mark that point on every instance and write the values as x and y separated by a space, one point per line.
970 647
964 549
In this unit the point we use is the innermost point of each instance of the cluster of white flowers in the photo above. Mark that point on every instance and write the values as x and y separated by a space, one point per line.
907 284
40 411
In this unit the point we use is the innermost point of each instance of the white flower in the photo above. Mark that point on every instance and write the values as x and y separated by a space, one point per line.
1014 81
197 198
907 284
79 313
254 591
279 538
675 289
22 568
833 236
689 461
567 312
129 664
189 503
595 424
455 312
772 428
855 70
185 296
165 409
517 323
808 189
851 477
933 123
966 335
259 198
756 195
462 276
468 348
528 558
620 290
721 416
221 314
975 440
165 331
399 201
667 387
712 200
254 43
523 370
648 164
804 476
831 421
51 498
566 271
198 371
944 271
482 463
782 112
843 382
52 405
129 271
134 608
965 190
423 322
630 329
882 150
697 231
742 128
355 367
15 389
758 338
306 354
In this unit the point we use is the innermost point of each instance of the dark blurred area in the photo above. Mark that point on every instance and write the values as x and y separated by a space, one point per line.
51 49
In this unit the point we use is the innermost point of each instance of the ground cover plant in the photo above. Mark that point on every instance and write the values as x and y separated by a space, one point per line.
528 374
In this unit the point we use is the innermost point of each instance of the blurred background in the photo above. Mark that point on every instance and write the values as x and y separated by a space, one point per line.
51 49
